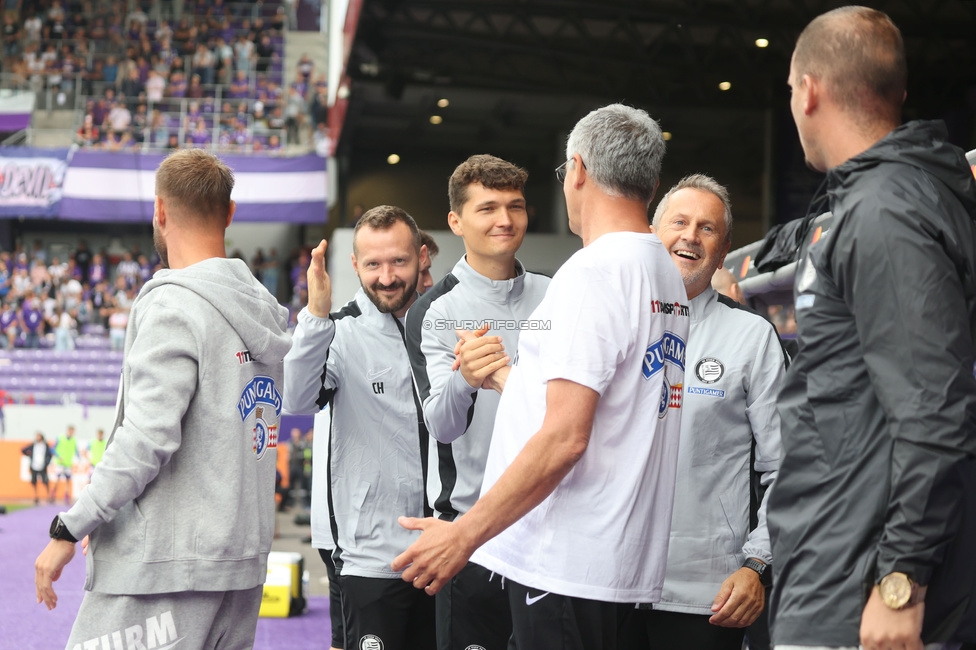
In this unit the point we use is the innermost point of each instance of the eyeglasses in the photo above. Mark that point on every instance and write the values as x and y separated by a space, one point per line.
562 169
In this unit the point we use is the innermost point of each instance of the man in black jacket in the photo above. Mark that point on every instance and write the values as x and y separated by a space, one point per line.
873 518
40 456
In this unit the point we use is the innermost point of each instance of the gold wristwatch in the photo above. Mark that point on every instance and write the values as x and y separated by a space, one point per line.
898 590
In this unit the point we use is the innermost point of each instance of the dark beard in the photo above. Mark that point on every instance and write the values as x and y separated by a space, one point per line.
160 247
391 307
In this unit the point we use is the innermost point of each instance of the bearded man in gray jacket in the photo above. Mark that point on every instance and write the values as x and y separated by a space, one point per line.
355 360
178 551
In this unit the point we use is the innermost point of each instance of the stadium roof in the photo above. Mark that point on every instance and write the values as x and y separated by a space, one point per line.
519 73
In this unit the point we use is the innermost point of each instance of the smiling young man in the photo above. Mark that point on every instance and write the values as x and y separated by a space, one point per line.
355 361
488 286
576 502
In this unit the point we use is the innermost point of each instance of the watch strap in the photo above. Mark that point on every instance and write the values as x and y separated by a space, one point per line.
61 532
760 567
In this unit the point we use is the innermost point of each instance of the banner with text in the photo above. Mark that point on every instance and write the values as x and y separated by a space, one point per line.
31 181
120 186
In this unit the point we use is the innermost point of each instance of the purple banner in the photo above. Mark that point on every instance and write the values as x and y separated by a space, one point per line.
31 181
10 122
120 186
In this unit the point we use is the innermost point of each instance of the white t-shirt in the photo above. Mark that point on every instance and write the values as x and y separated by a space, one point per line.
615 319
38 456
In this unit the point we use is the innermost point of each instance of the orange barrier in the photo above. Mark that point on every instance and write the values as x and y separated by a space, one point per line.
11 486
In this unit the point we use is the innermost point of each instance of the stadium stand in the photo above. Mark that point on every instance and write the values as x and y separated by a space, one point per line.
153 75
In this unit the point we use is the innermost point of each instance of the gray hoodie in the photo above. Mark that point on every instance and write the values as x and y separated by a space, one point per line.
183 499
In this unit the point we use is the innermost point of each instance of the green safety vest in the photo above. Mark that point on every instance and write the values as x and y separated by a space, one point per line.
66 450
96 451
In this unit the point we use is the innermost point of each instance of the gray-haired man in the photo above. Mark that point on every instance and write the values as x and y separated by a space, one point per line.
578 487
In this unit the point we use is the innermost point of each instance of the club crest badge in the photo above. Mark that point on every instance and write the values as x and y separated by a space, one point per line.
709 370
261 400
371 642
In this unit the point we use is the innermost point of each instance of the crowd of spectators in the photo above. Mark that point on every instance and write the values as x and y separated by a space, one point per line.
211 77
42 295
92 292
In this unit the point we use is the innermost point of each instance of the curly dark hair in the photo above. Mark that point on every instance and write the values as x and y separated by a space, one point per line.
492 172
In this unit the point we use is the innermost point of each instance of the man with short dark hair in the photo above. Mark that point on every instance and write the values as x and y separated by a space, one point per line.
873 517
488 286
426 280
576 502
178 549
355 361
39 453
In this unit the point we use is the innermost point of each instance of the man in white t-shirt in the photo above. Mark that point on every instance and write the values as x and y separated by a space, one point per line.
576 504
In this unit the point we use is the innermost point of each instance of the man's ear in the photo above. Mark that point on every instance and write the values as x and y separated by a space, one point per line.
579 169
424 254
159 213
454 221
355 266
230 213
811 90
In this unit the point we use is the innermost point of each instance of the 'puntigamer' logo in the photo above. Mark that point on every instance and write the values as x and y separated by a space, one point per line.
667 355
261 398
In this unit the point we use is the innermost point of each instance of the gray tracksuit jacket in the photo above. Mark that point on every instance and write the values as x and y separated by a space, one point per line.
183 499
734 371
879 406
355 360
460 418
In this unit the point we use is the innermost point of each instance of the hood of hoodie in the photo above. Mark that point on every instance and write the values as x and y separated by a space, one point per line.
232 289
921 144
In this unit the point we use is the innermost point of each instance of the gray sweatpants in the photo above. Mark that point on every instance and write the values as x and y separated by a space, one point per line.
209 620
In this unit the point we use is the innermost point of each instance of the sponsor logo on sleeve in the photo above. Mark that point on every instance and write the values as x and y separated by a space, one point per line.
667 356
261 399
669 308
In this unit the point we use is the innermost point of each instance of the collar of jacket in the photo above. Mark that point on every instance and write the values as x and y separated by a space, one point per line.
373 316
487 289
702 303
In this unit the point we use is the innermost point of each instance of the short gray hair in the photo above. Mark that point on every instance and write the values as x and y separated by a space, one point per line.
622 149
704 183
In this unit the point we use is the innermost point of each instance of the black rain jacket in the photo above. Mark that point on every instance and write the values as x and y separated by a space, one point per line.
879 407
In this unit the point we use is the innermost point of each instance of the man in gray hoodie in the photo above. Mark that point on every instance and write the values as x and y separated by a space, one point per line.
178 551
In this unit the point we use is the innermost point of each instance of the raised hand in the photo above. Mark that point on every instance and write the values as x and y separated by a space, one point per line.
319 283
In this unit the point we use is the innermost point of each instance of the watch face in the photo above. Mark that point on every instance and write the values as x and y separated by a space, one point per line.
896 590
